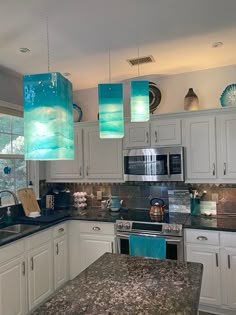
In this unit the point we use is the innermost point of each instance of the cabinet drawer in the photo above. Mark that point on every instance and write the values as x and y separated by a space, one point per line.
228 239
202 237
10 251
97 227
59 230
38 239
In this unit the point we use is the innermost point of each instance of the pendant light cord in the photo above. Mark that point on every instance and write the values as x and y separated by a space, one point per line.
138 62
48 47
109 66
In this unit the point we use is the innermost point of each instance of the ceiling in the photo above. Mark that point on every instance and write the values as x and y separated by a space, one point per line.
177 33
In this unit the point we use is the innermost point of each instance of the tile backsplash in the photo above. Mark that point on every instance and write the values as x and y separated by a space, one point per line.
138 195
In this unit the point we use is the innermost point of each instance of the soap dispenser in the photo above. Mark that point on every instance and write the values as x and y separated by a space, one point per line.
8 215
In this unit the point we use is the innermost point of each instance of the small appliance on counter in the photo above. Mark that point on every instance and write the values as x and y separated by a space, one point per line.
61 199
114 203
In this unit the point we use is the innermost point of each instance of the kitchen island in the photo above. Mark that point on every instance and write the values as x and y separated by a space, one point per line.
129 285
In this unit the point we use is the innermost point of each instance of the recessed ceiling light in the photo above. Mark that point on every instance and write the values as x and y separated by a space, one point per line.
24 50
66 74
217 44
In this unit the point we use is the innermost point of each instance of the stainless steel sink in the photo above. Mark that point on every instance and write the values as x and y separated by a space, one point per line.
5 234
18 228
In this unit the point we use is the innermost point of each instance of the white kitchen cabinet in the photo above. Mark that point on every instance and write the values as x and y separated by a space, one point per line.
226 145
209 257
60 244
96 238
200 147
94 246
40 267
166 132
203 247
137 135
40 279
13 293
102 157
217 252
228 268
68 170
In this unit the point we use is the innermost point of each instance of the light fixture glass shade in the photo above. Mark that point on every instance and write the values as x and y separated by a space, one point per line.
139 101
111 113
48 117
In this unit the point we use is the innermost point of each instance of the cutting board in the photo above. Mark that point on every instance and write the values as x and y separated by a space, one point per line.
28 200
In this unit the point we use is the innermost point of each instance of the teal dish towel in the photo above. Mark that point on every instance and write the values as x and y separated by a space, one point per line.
147 246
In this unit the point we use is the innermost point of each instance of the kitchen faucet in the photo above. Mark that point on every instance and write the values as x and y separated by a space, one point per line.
10 192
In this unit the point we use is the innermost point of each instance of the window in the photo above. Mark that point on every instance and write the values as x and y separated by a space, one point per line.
13 170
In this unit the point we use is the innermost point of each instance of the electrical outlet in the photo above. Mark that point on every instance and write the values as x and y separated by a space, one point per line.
99 195
214 197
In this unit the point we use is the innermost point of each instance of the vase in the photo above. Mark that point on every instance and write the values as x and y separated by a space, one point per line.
191 101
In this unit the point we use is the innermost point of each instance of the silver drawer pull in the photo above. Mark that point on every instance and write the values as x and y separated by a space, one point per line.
32 263
156 136
23 268
217 260
202 238
61 230
229 262
96 228
147 136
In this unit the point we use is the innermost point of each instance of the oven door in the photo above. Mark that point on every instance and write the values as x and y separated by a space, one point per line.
174 245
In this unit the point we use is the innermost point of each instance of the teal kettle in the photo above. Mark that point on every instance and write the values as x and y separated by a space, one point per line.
114 203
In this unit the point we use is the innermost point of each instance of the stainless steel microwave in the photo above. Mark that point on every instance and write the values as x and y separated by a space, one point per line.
154 164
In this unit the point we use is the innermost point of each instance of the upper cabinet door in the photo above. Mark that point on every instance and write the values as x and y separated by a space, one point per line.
200 147
226 145
102 157
166 132
137 135
68 169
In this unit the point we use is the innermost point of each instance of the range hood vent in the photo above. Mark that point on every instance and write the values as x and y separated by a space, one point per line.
140 60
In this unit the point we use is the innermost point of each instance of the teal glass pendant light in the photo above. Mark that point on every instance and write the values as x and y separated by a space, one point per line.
111 114
139 101
48 117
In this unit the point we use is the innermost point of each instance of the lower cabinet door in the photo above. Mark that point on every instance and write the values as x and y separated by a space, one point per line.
211 284
94 246
60 261
228 268
13 295
40 280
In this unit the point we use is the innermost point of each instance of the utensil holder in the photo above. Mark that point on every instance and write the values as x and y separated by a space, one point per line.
195 206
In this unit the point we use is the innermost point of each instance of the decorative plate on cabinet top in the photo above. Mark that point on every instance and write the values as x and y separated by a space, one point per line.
154 97
77 113
228 96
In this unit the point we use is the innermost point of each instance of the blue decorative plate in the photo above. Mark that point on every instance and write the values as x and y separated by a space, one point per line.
228 97
77 113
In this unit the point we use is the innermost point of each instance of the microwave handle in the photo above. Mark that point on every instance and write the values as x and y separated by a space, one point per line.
168 164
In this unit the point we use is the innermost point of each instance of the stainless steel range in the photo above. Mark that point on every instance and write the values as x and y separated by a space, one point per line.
139 222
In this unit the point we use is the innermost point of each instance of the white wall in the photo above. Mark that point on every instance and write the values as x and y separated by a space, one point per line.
207 84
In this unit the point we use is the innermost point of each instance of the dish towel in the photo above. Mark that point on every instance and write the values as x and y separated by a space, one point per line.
147 246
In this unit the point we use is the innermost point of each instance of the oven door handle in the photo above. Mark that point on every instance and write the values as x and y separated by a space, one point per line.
168 240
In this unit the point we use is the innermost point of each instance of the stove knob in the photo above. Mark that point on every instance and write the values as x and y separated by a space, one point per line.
167 229
127 226
120 225
177 229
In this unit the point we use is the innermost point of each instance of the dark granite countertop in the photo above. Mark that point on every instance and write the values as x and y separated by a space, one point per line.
220 223
128 285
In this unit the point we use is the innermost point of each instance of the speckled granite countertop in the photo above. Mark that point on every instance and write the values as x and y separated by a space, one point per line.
128 285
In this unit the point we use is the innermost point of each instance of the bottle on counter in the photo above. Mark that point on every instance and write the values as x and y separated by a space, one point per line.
8 218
